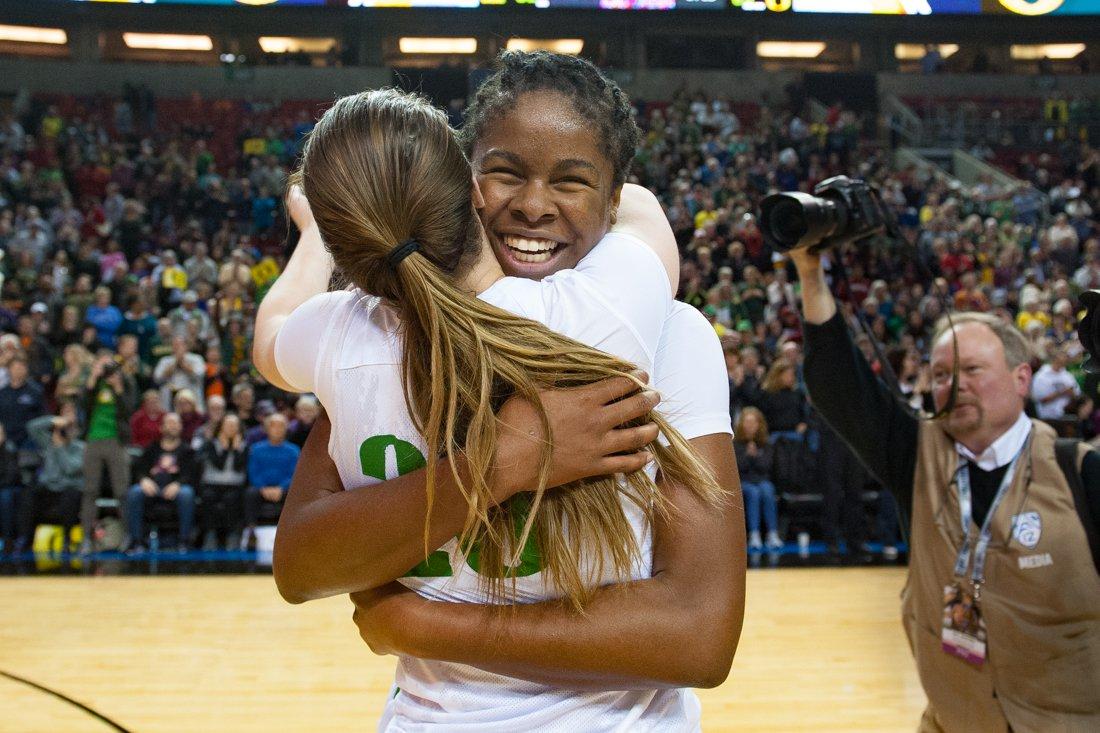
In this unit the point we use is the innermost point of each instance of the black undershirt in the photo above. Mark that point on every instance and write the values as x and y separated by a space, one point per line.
983 488
880 430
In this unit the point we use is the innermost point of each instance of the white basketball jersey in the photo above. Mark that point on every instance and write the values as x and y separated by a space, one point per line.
346 348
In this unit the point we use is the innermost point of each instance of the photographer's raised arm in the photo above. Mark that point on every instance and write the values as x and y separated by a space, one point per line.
842 387
818 304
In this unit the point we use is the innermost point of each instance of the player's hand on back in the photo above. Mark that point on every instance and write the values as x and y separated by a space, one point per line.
589 437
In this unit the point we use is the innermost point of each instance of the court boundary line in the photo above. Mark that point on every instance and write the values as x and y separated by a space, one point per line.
65 698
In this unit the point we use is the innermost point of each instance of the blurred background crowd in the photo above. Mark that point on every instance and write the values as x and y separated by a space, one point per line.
138 236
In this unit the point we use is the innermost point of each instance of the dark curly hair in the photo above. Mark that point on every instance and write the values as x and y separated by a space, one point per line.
595 98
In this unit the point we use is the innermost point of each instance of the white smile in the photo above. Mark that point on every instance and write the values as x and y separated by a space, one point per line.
532 251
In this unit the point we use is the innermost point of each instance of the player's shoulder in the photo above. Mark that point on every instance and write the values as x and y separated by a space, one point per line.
689 353
359 329
516 295
686 327
625 251
619 268
618 238
545 300
690 374
324 306
681 315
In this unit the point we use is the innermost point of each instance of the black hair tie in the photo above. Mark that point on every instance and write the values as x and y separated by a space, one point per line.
402 251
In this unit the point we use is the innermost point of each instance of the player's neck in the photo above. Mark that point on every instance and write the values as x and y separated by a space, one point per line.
483 272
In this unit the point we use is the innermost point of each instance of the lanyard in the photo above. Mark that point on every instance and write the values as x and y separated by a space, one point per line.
977 576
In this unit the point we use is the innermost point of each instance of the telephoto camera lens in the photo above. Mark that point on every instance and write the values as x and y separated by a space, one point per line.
795 220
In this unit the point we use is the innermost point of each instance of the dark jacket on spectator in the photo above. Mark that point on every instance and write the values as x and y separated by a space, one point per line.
783 409
754 469
9 465
39 356
222 466
166 466
192 421
747 394
298 432
18 406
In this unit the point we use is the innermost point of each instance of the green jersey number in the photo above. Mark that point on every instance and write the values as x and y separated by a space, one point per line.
373 454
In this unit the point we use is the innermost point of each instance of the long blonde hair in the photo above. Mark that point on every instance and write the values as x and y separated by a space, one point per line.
773 380
383 167
761 436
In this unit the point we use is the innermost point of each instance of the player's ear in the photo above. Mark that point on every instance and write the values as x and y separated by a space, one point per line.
616 197
476 197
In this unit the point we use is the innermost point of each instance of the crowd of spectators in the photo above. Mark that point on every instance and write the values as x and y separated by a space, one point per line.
133 260
135 252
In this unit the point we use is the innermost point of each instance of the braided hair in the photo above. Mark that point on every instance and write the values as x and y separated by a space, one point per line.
595 98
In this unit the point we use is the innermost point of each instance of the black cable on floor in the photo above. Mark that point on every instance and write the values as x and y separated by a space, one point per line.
66 698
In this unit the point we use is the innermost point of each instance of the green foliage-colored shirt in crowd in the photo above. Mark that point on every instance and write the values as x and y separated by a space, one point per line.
103 422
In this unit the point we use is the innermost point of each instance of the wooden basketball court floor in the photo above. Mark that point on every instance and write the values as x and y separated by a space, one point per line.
822 650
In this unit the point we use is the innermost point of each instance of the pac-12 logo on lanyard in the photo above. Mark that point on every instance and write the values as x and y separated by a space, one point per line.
1027 529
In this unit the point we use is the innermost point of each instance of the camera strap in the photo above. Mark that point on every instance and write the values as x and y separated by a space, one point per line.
840 272
945 306
886 373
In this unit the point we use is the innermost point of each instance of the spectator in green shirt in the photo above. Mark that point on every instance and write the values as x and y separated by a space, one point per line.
109 401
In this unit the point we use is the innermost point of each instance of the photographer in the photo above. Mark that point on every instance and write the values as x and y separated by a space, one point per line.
55 495
988 475
110 398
